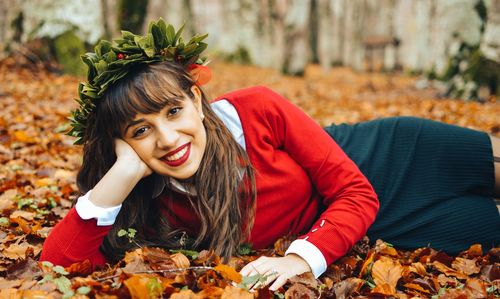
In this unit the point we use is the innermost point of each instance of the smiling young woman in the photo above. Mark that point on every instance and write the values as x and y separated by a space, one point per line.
251 167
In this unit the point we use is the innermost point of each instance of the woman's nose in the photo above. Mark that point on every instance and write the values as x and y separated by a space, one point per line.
166 137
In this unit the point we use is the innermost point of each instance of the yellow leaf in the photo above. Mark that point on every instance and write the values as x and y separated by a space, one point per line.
228 273
144 286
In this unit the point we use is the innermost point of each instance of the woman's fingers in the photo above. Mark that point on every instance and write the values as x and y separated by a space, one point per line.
277 269
125 152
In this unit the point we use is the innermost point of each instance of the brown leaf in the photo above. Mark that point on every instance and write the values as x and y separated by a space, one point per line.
209 279
306 279
465 266
346 287
446 281
158 259
419 269
382 248
180 260
475 250
448 271
416 287
442 258
27 268
476 288
282 244
134 262
16 251
6 200
299 290
387 271
491 272
207 258
427 284
24 214
228 273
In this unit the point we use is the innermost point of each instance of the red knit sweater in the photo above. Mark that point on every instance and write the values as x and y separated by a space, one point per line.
306 186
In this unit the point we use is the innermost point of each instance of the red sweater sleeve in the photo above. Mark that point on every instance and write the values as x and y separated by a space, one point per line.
74 240
350 199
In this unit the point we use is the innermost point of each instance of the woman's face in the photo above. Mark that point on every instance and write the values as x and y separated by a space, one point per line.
172 141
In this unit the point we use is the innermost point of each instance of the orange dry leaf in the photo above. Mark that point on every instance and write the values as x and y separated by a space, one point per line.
23 224
82 268
476 288
21 136
231 292
144 286
384 289
228 273
416 287
465 266
16 251
387 271
366 264
419 269
448 271
24 214
35 294
211 292
185 294
474 251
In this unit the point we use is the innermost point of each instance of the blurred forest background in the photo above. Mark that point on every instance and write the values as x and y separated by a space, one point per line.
455 41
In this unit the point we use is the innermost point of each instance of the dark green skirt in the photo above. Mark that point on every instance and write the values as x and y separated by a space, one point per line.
434 181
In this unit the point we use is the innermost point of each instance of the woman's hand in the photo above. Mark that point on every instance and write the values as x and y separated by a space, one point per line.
121 178
277 269
125 154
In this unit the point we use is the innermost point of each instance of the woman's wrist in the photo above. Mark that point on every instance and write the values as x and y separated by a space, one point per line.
116 184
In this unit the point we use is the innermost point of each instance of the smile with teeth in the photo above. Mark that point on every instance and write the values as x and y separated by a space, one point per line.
178 155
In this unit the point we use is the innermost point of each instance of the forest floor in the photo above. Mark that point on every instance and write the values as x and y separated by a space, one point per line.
38 164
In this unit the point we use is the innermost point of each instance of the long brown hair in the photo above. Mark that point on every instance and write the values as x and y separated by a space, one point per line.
224 203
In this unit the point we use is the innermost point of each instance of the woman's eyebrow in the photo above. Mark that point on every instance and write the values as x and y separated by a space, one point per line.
133 123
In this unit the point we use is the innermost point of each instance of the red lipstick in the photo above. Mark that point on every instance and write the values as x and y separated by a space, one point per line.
184 149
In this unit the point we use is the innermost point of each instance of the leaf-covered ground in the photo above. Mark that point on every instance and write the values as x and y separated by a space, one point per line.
37 184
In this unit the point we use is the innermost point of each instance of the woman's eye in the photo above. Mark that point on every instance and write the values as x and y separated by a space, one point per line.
174 111
139 132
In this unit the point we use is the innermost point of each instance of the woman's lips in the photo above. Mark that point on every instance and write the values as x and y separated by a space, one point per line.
178 156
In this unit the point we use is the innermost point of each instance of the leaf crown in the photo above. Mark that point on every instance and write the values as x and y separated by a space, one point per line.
109 63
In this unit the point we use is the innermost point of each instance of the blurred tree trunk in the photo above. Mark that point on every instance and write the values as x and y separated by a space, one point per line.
175 12
491 41
296 55
131 14
110 18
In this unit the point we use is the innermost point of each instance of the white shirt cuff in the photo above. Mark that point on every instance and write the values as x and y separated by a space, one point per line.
310 253
88 210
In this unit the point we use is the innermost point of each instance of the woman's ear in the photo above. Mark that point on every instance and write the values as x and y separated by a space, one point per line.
197 98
